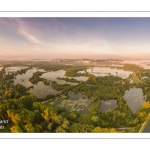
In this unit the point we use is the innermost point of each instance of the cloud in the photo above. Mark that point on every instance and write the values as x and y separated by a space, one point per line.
29 36
25 29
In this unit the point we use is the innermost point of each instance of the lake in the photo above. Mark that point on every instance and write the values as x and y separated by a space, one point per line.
52 75
134 98
103 71
40 89
75 103
14 69
108 105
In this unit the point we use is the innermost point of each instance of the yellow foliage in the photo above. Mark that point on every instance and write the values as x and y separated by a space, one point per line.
146 105
97 130
15 129
104 130
113 130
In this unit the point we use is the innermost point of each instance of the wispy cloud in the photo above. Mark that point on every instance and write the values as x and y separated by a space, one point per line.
29 36
25 30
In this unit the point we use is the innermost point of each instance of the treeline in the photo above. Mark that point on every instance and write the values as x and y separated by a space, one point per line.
8 90
69 80
131 67
105 88
73 71
64 88
36 78
27 114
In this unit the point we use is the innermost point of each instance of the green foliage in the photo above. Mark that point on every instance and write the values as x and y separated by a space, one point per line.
131 67
72 116
26 113
36 78
69 80
81 128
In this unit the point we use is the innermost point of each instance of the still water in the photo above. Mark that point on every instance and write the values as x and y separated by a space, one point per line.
134 98
75 103
103 71
108 105
52 75
14 69
40 89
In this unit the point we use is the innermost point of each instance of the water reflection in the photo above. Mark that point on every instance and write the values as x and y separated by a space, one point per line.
52 75
108 105
134 98
40 89
14 69
103 71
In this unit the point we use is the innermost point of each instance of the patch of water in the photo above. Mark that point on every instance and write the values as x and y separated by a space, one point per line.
108 105
103 71
134 98
75 103
40 89
52 75
14 69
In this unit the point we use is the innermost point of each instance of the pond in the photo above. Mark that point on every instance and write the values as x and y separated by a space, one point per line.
108 105
75 103
103 71
14 69
147 128
40 89
52 75
134 98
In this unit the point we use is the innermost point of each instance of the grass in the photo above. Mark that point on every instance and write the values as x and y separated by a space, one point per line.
135 78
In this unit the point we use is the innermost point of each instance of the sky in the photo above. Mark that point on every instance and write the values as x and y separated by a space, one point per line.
73 38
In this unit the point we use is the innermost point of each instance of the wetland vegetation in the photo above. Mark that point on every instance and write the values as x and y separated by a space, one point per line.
56 97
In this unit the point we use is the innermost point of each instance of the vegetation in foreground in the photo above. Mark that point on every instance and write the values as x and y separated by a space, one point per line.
27 113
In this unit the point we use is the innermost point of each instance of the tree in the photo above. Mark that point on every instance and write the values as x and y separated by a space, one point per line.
72 116
16 129
95 120
97 130
30 128
146 105
60 129
48 114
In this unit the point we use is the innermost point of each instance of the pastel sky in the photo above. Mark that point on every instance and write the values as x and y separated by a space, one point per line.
50 38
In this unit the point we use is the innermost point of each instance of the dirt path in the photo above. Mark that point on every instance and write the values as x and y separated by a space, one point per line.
144 124
125 128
